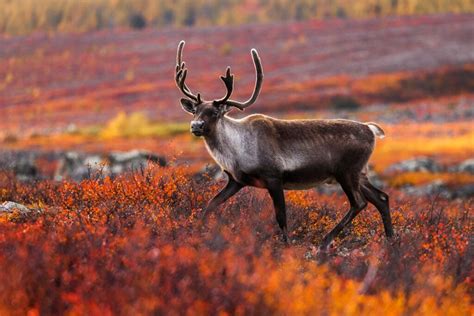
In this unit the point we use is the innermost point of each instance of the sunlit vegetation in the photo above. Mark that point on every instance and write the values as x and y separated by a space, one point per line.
20 17
418 178
137 124
138 245
449 142
90 78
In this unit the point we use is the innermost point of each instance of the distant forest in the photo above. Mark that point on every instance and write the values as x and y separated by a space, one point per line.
26 16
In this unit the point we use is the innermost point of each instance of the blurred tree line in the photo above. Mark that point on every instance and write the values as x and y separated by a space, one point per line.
25 16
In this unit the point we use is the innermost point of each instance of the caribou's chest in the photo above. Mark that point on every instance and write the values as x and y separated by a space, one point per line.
233 149
239 164
223 159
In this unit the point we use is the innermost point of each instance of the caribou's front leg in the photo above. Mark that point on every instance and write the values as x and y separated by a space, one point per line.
229 190
275 189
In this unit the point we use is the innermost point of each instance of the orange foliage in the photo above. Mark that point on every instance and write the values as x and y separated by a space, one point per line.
417 178
138 245
448 142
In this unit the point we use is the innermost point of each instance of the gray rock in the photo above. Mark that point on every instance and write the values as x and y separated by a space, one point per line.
437 187
23 163
466 166
375 179
133 160
10 207
24 166
78 167
423 164
463 192
209 171
329 189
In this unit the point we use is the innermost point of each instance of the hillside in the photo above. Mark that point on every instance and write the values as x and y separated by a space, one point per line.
103 189
49 82
53 16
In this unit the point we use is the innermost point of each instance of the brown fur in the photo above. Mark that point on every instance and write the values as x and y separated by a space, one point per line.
275 154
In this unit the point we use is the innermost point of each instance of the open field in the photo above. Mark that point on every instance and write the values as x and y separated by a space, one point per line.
137 245
49 82
93 235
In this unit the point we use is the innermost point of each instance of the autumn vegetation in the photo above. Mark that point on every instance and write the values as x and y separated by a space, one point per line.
137 244
48 82
78 76
26 16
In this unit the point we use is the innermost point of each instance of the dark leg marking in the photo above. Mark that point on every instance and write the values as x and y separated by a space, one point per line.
381 201
275 189
228 191
350 185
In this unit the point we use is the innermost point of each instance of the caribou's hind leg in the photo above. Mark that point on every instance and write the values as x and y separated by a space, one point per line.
351 187
380 200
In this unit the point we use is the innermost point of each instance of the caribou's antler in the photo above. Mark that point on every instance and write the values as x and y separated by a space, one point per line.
258 84
180 75
229 84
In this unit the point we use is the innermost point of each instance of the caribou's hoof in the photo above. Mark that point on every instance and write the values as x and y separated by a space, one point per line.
324 252
282 238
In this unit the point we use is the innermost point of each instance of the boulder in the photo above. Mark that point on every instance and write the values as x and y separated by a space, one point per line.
78 167
375 179
463 192
420 164
133 160
16 212
441 189
209 171
329 189
466 166
437 187
11 207
24 166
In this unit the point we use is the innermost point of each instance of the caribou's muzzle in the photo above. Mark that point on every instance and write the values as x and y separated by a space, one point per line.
197 128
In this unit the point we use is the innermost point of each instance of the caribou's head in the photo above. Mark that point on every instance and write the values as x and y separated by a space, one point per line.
207 113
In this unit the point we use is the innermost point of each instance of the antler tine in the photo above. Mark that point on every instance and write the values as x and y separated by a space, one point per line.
258 84
229 84
180 75
179 54
184 89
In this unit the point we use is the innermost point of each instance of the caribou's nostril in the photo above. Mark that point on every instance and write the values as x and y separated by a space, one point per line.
197 124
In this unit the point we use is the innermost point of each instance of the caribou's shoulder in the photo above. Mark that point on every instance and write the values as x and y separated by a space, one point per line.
257 118
258 121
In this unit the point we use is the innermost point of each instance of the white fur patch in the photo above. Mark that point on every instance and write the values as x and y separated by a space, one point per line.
237 147
376 130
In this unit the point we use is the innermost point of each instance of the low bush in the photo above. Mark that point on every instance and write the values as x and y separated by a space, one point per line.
138 245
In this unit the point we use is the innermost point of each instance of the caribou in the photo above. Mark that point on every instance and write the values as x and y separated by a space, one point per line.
277 155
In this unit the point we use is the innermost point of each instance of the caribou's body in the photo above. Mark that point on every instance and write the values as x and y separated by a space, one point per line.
302 153
275 154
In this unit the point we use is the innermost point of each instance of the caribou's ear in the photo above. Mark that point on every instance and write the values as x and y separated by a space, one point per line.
187 105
